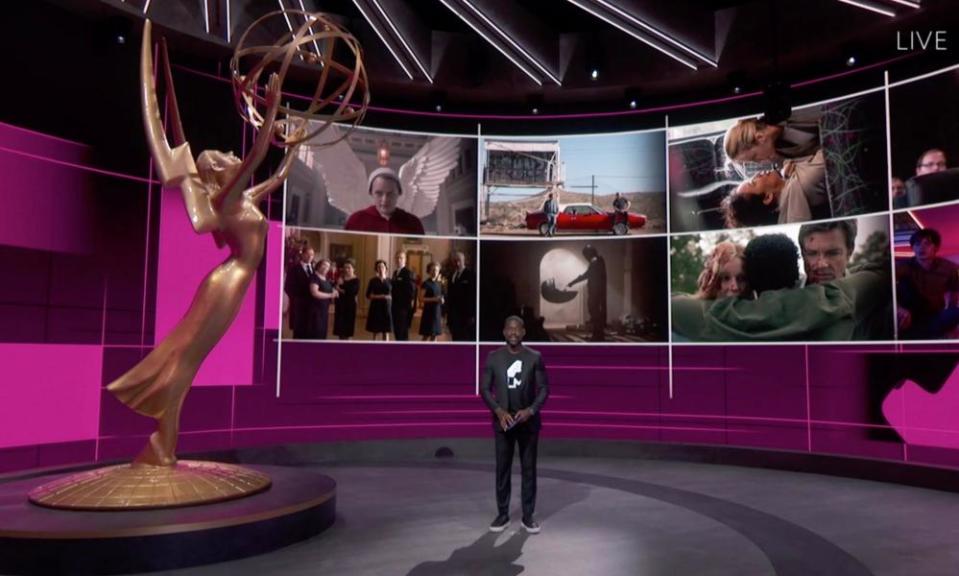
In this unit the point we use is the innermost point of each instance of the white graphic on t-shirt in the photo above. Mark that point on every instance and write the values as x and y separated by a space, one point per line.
512 372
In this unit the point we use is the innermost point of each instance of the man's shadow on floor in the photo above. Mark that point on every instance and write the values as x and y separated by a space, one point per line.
483 557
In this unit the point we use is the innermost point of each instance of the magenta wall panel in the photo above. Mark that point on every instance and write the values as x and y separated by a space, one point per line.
925 418
274 263
185 258
49 393
46 198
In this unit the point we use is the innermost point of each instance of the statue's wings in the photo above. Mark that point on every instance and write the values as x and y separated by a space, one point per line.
342 172
424 173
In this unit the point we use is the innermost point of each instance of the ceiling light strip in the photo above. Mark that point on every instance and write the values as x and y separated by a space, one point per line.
909 3
206 15
402 40
492 43
870 7
658 33
145 6
310 28
376 28
286 17
635 34
502 33
229 24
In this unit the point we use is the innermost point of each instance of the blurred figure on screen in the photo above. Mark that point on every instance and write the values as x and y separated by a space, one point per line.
297 288
897 190
431 323
753 140
826 249
384 215
461 300
379 293
595 277
782 312
322 293
348 286
724 273
621 206
927 290
797 194
551 209
931 161
403 303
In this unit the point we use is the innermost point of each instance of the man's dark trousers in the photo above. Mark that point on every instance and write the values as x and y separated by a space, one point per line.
526 435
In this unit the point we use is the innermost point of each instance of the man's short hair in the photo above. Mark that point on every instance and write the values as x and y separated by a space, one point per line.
928 152
589 251
514 318
930 234
742 210
772 262
848 227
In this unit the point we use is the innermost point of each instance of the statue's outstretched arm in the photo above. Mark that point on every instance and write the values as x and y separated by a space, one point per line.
175 166
261 145
152 123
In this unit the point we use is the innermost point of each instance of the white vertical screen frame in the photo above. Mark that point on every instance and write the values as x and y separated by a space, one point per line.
669 267
279 335
479 179
892 223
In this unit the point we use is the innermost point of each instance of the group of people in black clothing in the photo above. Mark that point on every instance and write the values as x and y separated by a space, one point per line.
311 286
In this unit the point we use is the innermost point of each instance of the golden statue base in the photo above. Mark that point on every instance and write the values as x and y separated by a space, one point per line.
138 487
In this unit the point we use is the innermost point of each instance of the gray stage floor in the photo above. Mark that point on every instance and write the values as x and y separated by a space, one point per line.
619 516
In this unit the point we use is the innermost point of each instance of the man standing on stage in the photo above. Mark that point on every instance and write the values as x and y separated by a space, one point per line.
518 376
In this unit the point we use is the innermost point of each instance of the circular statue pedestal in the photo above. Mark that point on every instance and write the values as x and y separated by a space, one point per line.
39 540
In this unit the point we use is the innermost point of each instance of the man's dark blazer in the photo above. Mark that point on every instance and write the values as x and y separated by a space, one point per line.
461 305
532 397
297 287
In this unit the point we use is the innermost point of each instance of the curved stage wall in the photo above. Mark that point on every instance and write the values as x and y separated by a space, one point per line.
95 272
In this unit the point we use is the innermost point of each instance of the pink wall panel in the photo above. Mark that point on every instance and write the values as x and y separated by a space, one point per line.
274 261
185 258
50 393
45 204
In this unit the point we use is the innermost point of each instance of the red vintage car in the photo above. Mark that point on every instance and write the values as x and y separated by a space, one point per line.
585 217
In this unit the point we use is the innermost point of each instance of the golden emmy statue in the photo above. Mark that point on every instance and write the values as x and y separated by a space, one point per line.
218 200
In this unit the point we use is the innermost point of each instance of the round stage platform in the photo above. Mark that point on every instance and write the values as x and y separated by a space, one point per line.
36 540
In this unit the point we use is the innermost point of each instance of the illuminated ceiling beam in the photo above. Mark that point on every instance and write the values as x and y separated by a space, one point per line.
884 7
632 24
371 15
394 25
484 22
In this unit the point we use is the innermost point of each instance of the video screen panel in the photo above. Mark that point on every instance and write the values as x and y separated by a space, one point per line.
924 134
575 290
601 185
368 287
812 282
927 273
824 161
329 185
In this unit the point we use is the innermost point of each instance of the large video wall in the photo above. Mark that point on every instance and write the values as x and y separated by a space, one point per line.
824 236
732 282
